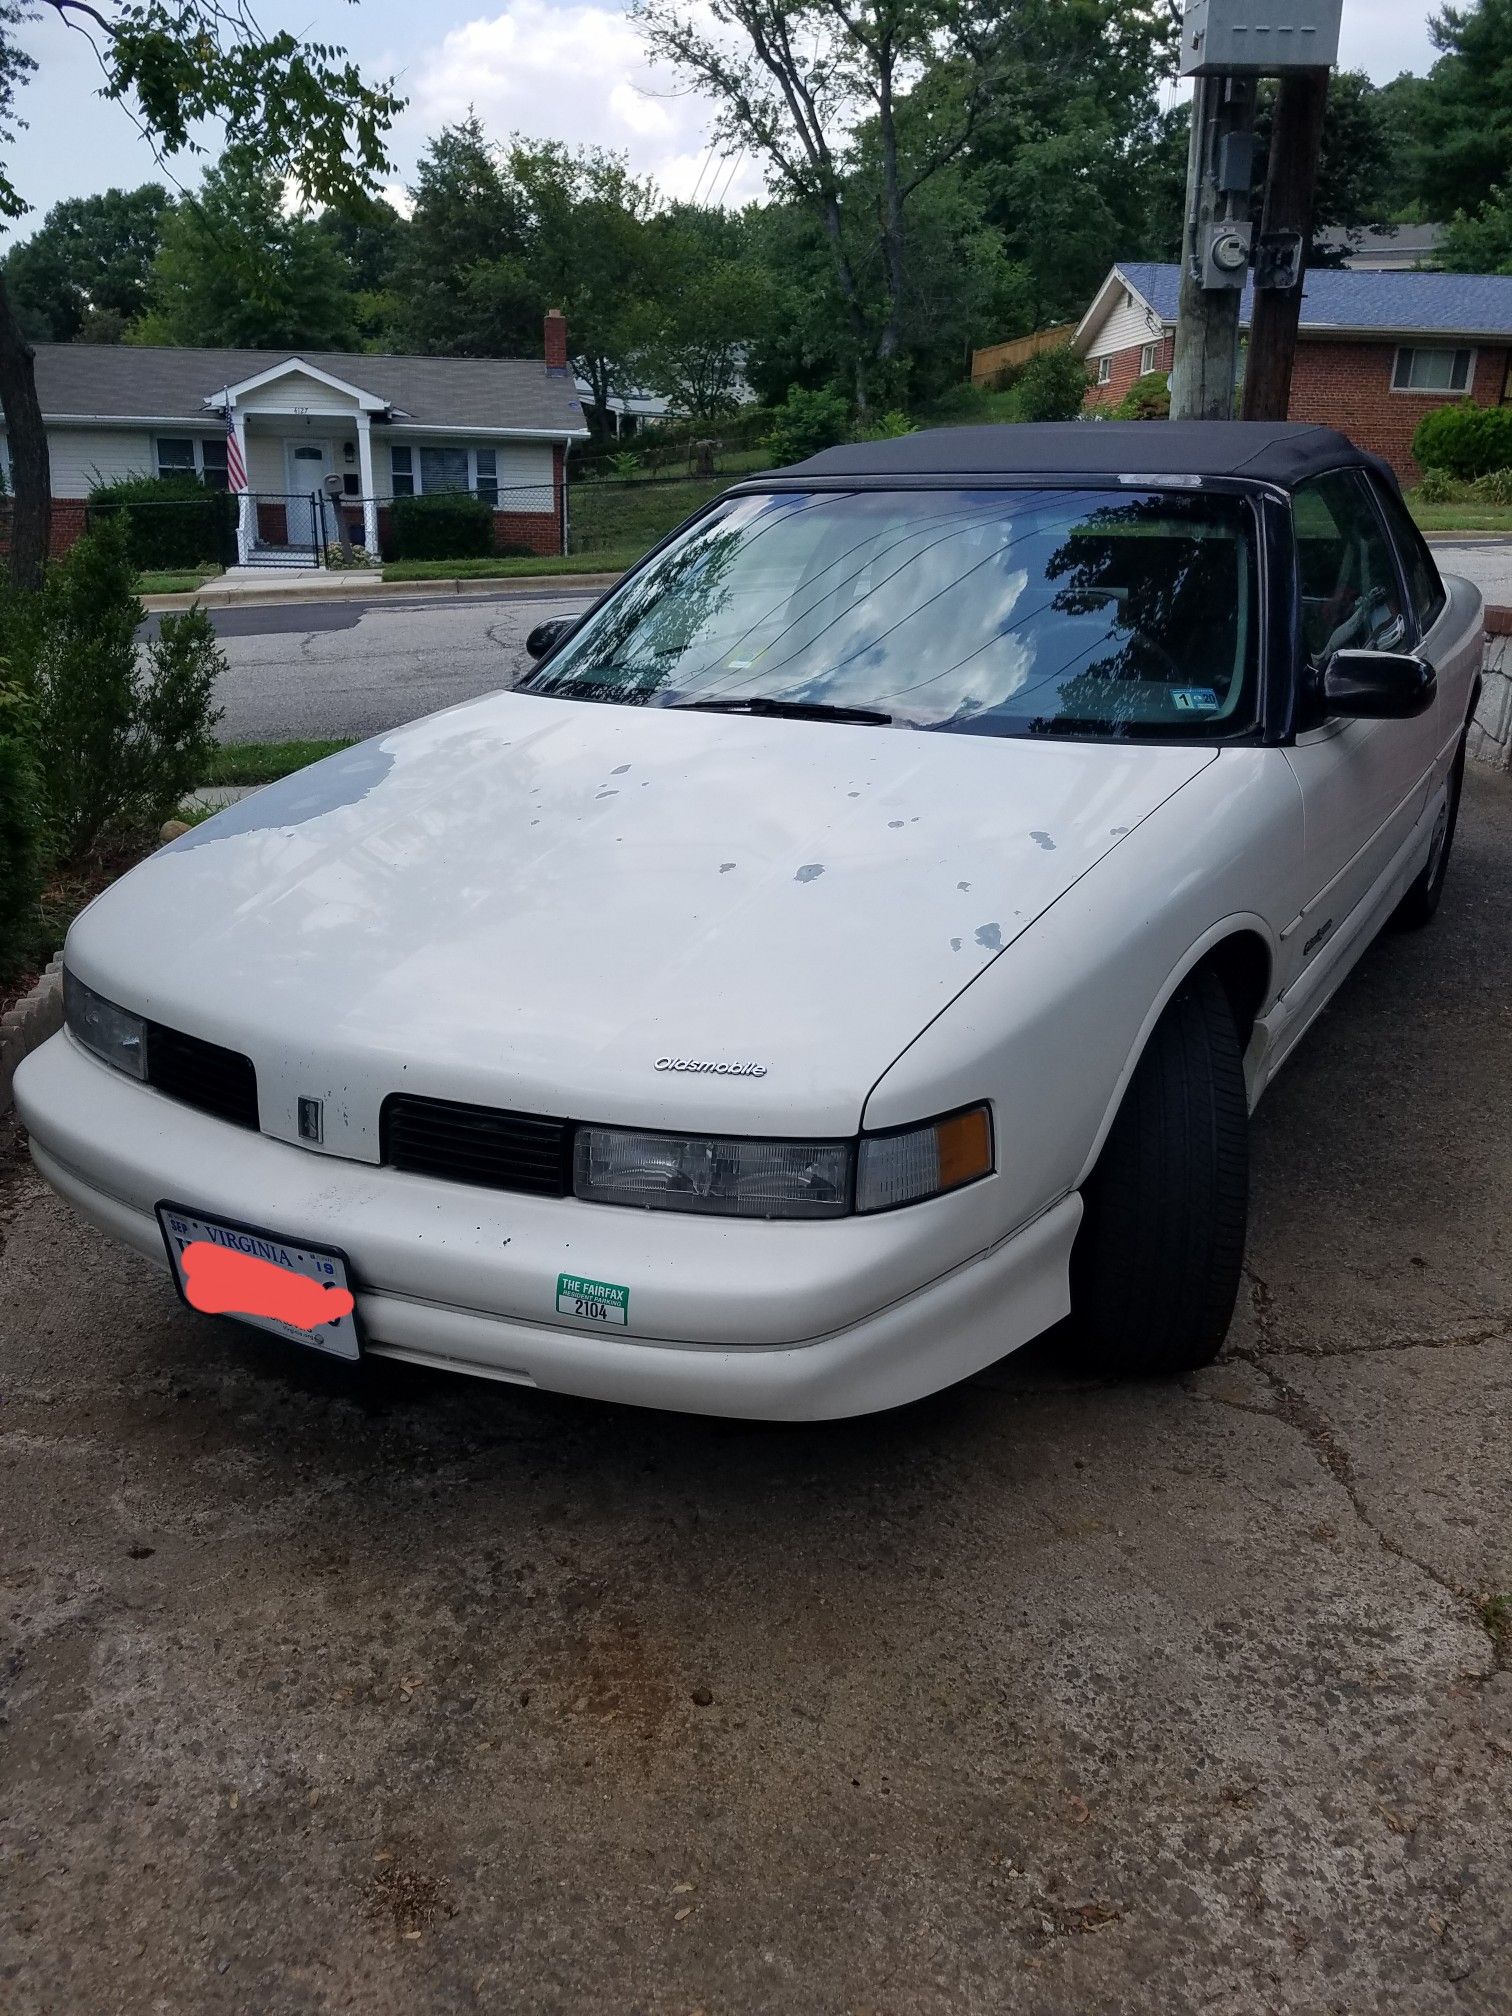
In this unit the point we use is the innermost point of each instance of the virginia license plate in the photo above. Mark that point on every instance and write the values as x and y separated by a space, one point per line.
296 1291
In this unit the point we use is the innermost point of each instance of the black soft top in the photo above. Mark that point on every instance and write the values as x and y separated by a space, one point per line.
1283 452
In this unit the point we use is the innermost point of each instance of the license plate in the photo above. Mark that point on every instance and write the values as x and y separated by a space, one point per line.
222 1268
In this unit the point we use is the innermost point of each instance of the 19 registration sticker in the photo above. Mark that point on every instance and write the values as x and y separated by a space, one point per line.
593 1301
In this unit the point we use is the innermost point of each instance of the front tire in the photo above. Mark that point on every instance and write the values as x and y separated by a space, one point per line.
1156 1266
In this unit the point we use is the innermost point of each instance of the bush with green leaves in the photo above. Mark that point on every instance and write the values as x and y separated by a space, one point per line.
171 521
1495 486
1437 487
116 739
889 426
1148 398
20 838
450 525
1466 439
1052 385
804 423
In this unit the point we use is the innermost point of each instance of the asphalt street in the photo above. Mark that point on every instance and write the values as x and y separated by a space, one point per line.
327 669
302 670
382 1692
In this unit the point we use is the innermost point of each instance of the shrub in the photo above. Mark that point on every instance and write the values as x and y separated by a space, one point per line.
1495 486
890 426
1052 385
336 556
1437 487
453 525
1148 398
171 521
804 423
116 740
1465 439
20 848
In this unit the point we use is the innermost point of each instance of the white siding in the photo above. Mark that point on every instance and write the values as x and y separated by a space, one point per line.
83 457
295 393
265 463
1123 327
521 464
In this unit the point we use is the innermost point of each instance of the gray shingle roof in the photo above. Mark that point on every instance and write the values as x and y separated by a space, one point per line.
118 381
1441 304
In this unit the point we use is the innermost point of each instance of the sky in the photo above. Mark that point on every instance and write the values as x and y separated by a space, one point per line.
570 70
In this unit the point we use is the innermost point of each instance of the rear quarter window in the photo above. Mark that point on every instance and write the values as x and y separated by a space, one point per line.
1425 587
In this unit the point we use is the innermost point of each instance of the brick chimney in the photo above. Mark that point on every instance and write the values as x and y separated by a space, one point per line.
556 342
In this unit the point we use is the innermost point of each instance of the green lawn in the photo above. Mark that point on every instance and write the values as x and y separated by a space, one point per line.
263 762
1466 517
610 561
184 582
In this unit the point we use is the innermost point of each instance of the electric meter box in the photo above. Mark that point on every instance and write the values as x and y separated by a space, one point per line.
1229 38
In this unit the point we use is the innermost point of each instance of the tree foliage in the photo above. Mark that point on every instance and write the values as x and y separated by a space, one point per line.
1464 109
82 275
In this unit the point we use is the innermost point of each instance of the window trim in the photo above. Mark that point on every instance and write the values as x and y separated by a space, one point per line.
1149 359
1105 371
415 451
1465 391
197 463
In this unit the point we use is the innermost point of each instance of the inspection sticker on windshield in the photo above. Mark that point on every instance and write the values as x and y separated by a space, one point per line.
593 1301
1190 698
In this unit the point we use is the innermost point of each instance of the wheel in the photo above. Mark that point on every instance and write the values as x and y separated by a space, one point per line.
1418 906
1155 1269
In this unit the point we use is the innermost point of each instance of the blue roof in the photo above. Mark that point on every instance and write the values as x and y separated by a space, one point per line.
1449 304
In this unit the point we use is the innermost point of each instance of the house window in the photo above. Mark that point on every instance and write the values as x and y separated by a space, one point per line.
1148 358
402 469
1417 370
487 483
1105 370
175 455
213 461
192 455
443 469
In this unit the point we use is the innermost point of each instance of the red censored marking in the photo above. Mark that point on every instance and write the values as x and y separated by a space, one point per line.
222 1283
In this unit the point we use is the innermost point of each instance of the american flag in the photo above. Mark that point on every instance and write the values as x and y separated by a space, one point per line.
236 469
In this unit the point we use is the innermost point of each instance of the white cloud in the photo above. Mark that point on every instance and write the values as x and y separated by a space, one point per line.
574 72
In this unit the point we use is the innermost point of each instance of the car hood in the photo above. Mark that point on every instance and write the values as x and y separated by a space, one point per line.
529 902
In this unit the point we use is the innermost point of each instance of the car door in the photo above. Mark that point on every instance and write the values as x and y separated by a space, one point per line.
1364 784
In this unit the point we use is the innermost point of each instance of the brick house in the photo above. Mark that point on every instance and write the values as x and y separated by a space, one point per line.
1376 350
321 434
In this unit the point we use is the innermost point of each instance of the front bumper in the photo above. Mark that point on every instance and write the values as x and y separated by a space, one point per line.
756 1319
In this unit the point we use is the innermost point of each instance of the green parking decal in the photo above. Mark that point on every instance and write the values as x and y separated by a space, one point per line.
593 1301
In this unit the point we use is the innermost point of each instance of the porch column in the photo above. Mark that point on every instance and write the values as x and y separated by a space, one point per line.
245 507
365 479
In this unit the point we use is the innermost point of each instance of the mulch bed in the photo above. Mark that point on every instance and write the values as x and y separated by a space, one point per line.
65 894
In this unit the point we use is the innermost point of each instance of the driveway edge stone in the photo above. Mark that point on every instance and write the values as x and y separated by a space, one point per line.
34 1018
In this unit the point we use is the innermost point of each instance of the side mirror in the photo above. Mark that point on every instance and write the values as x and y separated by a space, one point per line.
546 636
1377 685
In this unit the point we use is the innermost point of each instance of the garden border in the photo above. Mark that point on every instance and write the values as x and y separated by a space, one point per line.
28 1024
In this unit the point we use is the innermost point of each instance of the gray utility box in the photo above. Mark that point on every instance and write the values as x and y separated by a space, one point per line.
1229 38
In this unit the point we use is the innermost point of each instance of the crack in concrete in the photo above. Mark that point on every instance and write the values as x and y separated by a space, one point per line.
1308 1421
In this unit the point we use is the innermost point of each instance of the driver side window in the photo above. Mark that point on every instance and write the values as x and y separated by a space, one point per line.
1351 598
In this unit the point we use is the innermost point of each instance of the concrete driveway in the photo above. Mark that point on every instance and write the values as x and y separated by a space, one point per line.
396 1693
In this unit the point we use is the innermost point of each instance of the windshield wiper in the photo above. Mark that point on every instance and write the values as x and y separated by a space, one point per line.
788 710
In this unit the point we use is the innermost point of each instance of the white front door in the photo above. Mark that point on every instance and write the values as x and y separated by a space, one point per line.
308 464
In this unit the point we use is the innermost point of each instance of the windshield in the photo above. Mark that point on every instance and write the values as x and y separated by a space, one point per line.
1087 613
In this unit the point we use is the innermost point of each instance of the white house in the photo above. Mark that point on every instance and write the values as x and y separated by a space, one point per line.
351 426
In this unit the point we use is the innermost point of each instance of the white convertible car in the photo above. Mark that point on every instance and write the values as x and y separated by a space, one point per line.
855 947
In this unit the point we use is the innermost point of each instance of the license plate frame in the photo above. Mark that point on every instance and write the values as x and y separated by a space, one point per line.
341 1339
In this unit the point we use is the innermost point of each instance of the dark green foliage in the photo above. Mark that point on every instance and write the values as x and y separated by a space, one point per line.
1436 487
1051 386
20 866
1463 109
1466 440
804 423
446 527
171 521
82 275
1483 243
115 742
1148 398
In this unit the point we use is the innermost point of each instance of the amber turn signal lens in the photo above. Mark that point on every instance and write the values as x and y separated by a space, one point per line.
965 1147
913 1163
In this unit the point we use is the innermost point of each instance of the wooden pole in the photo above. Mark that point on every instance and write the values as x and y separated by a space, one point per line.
1206 361
1291 180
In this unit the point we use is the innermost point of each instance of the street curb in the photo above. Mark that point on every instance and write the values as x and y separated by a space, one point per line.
35 1017
359 588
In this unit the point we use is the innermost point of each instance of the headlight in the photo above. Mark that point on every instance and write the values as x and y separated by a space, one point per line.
733 1179
108 1031
912 1163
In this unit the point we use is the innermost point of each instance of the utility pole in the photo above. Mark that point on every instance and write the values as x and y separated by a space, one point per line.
1291 181
1226 46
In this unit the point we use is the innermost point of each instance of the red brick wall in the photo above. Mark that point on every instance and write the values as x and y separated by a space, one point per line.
68 525
1125 371
1348 386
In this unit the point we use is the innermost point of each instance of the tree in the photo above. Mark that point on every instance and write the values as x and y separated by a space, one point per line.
467 215
1464 108
1482 243
173 64
1361 184
370 240
82 275
715 298
797 82
237 271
